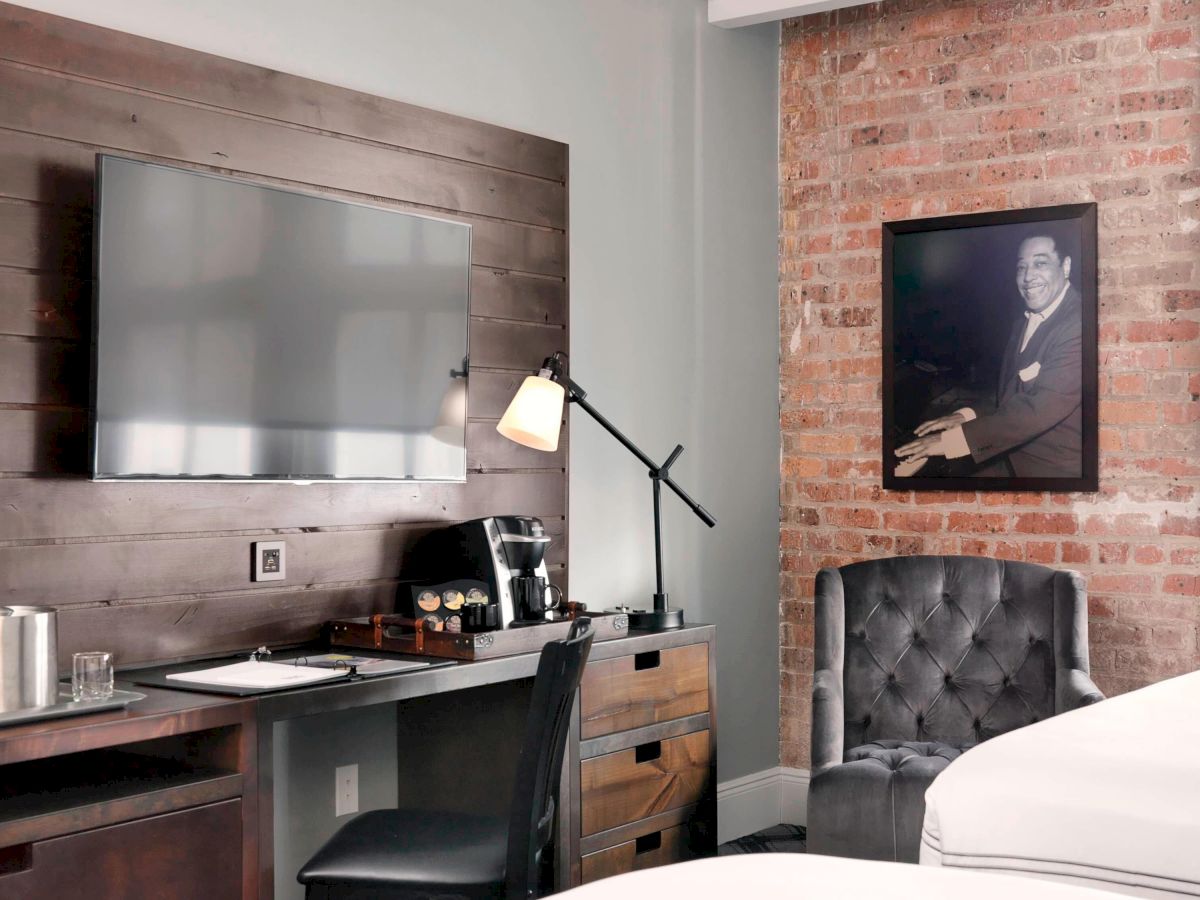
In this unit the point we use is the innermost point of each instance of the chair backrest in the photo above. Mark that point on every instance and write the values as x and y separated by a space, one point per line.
531 823
948 648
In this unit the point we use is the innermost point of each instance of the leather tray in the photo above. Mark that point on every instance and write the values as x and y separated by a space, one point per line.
400 635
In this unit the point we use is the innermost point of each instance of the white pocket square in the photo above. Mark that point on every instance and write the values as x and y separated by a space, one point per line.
1030 372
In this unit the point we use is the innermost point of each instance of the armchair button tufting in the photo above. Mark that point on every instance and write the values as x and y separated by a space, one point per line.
947 678
891 676
976 724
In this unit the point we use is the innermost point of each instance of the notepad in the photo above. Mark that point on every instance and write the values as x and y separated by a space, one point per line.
262 675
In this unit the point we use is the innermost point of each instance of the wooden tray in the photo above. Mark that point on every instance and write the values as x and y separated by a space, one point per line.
401 635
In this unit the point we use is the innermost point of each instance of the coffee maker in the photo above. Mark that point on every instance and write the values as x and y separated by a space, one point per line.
507 553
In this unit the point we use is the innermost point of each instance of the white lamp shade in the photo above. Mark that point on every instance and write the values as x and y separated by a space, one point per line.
534 418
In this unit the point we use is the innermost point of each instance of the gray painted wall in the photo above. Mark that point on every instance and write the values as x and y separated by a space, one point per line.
672 126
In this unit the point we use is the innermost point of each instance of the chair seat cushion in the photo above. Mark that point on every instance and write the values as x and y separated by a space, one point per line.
914 758
406 848
870 806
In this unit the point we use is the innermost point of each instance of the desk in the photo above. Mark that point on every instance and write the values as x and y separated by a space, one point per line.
639 779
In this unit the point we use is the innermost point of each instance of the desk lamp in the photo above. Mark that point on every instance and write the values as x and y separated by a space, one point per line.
534 419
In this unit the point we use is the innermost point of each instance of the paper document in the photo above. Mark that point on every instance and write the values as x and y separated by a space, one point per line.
259 675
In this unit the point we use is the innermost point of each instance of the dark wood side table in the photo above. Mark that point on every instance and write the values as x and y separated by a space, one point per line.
125 804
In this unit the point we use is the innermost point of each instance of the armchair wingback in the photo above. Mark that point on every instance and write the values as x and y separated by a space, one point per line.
917 659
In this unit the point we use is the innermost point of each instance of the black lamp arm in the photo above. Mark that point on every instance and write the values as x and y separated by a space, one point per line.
657 472
552 368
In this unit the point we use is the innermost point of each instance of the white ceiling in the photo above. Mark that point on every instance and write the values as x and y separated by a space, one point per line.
735 13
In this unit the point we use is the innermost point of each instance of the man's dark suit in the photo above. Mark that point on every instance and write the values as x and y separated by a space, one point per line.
1038 422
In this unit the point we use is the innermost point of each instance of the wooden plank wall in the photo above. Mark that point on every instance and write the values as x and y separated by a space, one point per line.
160 572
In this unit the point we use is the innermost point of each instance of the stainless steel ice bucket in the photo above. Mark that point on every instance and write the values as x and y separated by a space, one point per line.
28 657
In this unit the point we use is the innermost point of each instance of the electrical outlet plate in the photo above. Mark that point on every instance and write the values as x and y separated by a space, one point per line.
345 790
268 561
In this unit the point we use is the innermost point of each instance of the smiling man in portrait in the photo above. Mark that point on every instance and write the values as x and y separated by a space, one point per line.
1035 426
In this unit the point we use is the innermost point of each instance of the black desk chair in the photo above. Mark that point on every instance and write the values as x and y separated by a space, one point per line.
407 853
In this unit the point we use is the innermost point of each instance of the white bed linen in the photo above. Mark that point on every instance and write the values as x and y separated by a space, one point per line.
1107 795
798 876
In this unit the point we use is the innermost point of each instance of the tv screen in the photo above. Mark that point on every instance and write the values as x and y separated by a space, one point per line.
248 332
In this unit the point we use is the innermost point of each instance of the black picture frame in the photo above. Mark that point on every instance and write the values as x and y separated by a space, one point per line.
950 322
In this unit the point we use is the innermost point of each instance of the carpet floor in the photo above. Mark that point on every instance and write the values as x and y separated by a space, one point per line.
777 839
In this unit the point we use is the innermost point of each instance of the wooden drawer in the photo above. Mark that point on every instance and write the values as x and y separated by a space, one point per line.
622 787
193 854
655 849
643 689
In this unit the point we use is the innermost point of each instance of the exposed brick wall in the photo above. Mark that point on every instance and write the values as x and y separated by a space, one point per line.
916 108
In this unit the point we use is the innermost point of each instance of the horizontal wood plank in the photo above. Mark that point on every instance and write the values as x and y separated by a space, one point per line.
32 509
43 305
507 295
46 442
69 46
513 345
42 237
177 629
51 373
44 103
138 569
488 450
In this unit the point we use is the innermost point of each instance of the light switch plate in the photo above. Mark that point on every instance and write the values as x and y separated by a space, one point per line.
345 798
268 561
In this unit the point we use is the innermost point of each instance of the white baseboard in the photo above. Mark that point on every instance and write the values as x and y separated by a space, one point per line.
761 799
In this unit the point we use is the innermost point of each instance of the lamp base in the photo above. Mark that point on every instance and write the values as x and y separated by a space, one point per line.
655 619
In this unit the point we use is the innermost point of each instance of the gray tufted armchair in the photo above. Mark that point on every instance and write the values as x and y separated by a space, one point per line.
917 659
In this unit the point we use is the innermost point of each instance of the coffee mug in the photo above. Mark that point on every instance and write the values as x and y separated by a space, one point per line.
529 597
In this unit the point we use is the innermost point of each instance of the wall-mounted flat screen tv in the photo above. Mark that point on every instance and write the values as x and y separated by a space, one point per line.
248 332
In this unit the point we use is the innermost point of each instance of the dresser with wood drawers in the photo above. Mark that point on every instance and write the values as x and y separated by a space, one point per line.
643 768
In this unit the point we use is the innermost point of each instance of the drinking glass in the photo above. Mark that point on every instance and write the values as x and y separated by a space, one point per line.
92 676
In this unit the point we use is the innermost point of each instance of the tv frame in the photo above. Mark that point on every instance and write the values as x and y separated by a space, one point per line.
93 422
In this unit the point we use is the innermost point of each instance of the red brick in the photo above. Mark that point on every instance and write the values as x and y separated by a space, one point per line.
1148 555
1114 553
1046 523
1188 526
1185 585
1121 583
854 518
1150 101
1074 552
1041 551
1172 39
1114 412
990 523
912 521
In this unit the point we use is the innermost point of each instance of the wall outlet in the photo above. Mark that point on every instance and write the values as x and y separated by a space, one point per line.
345 790
268 560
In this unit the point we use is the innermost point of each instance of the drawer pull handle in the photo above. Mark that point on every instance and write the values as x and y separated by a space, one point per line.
651 659
647 752
18 858
648 843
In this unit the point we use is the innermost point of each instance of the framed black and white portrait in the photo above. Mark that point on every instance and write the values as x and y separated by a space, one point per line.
989 351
